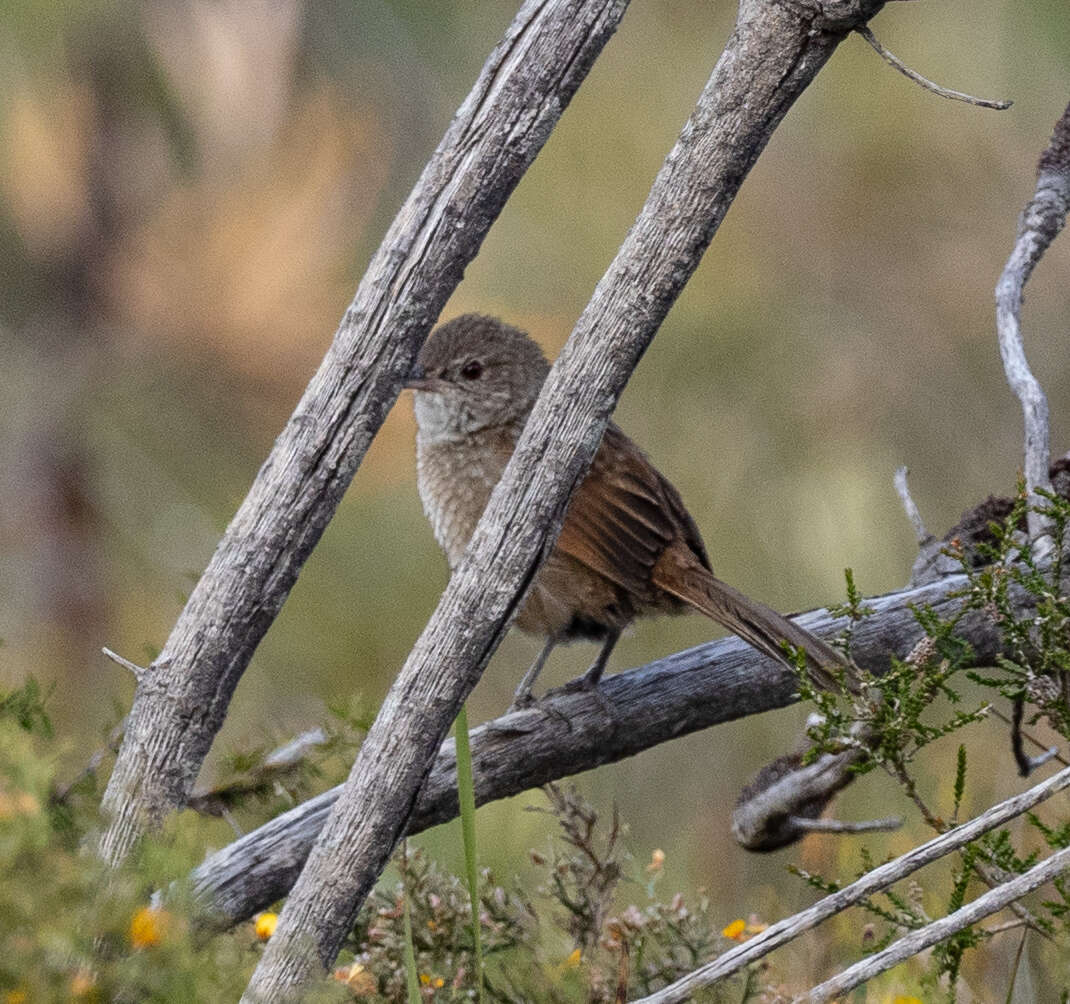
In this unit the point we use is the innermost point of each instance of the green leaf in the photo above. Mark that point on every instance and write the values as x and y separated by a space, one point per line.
467 799
412 980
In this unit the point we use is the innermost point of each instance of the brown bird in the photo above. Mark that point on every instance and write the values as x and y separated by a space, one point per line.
627 548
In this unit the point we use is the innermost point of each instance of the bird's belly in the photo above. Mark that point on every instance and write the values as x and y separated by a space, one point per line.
454 490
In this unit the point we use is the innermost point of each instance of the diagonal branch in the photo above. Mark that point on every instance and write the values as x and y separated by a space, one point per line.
872 882
182 699
932 934
774 52
1039 224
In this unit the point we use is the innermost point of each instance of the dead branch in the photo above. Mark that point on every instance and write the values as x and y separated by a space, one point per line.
182 699
570 732
772 55
1038 225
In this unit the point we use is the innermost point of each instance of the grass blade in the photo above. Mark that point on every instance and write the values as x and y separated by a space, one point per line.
467 798
412 980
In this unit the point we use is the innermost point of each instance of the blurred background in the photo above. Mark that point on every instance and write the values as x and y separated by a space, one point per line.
189 192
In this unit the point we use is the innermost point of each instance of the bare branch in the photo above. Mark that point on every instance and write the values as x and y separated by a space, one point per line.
880 878
903 490
1038 226
570 732
772 55
180 705
892 60
925 937
845 826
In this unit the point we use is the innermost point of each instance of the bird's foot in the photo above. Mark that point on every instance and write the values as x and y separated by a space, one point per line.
582 684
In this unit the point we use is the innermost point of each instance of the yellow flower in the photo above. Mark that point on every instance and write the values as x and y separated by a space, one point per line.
438 982
147 926
735 930
425 979
657 859
16 996
906 1000
358 978
573 959
265 925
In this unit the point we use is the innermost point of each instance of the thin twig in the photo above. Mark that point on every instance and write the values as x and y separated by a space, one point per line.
923 536
1057 756
1038 225
844 826
880 878
925 937
944 92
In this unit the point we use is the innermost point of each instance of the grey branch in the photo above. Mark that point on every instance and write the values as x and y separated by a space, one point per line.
910 508
847 826
717 682
133 667
772 55
893 60
872 882
925 937
1038 226
182 699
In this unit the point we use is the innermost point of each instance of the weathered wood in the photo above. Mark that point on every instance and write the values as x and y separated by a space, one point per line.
774 52
571 732
182 699
1039 224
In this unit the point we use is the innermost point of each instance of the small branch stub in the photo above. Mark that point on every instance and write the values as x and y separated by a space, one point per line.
138 671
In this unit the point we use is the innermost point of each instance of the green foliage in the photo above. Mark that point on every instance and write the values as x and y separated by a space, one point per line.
25 705
579 928
467 801
412 978
916 702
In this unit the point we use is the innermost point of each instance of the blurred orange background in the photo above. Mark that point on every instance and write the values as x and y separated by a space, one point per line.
189 192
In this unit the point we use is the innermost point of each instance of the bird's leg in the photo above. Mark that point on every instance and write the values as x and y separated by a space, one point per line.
598 667
522 698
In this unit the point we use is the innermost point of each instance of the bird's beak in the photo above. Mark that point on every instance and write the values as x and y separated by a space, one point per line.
419 380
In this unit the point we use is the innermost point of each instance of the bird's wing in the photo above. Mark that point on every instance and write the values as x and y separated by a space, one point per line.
624 514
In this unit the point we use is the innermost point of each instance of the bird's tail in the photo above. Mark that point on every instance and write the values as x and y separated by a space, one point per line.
680 573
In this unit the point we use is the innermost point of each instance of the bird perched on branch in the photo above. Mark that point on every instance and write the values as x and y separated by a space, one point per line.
628 547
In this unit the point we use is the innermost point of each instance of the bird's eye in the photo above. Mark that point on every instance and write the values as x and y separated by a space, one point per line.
472 370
